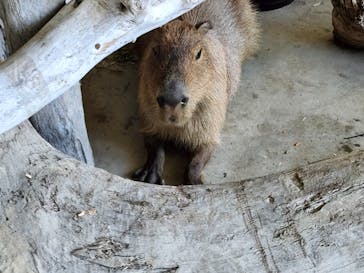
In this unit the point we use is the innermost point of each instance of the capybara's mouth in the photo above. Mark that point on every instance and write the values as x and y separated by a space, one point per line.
172 120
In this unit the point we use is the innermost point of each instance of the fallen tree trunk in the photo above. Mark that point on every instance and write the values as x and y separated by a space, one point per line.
59 215
70 45
62 122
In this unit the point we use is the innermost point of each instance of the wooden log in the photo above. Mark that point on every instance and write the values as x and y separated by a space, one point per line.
348 21
23 19
62 122
4 47
59 215
70 45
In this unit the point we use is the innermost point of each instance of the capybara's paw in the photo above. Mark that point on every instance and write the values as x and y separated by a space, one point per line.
193 180
148 174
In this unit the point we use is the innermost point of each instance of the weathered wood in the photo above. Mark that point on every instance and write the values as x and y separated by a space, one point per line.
70 45
348 21
62 122
59 215
23 19
4 47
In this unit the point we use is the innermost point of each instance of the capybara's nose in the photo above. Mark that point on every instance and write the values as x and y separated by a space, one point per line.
172 100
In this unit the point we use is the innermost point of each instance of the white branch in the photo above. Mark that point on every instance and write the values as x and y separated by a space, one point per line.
70 45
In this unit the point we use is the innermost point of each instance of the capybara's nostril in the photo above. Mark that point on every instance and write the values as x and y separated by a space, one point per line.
161 101
172 99
184 100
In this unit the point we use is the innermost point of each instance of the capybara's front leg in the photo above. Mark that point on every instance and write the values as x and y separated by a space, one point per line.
152 170
199 160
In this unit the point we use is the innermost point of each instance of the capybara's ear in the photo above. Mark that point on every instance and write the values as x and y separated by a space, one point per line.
204 27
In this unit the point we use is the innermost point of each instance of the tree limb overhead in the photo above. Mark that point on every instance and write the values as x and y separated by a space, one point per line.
61 122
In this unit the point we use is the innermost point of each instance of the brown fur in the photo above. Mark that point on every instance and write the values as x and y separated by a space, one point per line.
210 81
170 52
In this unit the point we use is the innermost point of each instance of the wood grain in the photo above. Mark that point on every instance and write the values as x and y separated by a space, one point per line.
59 215
61 122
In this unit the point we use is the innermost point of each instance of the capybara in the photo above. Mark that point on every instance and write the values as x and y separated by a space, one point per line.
189 68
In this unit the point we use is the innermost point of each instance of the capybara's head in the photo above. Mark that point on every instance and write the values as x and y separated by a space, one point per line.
178 60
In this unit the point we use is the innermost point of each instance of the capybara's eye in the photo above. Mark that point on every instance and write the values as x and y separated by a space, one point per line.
156 51
198 55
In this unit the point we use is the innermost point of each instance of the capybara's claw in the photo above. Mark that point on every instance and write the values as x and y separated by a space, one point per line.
148 175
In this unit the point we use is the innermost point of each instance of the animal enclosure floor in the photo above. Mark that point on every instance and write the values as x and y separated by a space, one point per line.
301 99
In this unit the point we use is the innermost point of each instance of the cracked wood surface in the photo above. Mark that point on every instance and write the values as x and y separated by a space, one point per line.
70 45
59 215
62 122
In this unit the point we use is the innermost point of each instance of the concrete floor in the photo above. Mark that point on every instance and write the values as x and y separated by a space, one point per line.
300 97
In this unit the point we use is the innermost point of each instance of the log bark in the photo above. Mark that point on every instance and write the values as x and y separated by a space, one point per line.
70 45
4 47
62 122
59 215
